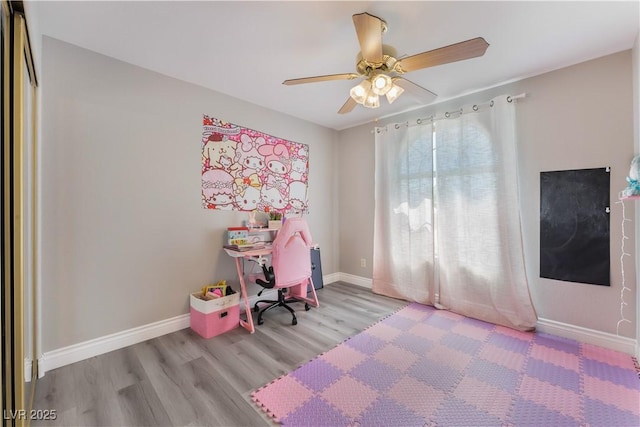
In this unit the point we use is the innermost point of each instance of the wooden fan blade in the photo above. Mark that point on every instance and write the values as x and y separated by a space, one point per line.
348 106
424 95
444 55
345 76
369 30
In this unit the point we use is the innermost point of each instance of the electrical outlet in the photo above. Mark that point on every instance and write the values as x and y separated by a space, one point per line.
363 262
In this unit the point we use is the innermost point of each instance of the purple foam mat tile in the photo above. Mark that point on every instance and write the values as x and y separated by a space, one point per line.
316 412
526 413
456 412
386 412
558 343
441 322
376 375
399 322
553 374
509 343
598 414
494 374
462 343
317 374
435 374
422 307
413 343
366 343
625 377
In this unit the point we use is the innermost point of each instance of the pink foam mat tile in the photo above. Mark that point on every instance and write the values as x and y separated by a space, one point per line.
508 359
396 357
384 332
282 396
612 394
344 357
608 356
484 397
471 331
556 357
418 396
553 397
349 396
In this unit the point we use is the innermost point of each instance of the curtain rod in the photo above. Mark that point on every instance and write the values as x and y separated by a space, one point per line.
447 114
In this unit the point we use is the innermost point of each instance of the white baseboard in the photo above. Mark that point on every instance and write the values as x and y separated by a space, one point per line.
74 353
364 282
331 278
589 336
28 365
77 352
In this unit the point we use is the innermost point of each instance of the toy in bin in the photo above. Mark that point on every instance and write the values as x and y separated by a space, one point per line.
215 291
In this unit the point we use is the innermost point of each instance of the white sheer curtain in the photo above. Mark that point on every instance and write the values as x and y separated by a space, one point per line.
403 237
480 262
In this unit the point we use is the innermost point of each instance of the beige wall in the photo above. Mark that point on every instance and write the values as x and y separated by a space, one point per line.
574 118
636 138
124 237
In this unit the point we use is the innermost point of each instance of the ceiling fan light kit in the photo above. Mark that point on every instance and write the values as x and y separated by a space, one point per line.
381 83
368 92
394 93
382 71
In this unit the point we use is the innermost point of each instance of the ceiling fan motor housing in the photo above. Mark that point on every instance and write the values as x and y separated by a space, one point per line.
364 68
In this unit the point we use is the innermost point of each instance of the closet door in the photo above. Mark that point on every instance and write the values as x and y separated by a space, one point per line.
5 368
18 216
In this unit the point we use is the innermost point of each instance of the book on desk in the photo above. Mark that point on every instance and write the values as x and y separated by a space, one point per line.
246 247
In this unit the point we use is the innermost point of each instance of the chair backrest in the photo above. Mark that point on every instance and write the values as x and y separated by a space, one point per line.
291 256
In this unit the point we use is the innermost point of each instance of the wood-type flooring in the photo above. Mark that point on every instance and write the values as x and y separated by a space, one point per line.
181 379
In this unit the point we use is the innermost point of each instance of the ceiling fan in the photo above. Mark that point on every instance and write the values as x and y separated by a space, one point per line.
378 64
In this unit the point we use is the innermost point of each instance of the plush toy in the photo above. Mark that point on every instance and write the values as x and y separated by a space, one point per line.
633 179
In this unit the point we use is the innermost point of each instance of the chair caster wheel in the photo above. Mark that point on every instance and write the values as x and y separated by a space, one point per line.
306 307
294 321
256 309
260 321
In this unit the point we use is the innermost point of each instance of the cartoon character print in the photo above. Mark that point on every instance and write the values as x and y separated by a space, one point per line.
276 158
251 161
249 199
273 198
247 171
298 168
242 183
220 152
217 189
298 195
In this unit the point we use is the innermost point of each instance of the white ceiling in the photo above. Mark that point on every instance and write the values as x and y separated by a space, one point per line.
246 49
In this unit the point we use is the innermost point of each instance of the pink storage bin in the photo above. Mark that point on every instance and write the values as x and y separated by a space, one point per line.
214 317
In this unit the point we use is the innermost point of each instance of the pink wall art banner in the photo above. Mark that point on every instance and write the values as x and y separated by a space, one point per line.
247 170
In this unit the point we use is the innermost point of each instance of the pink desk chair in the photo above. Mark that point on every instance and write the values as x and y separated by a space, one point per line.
290 269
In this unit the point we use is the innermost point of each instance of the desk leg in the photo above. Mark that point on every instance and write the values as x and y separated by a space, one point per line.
248 324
